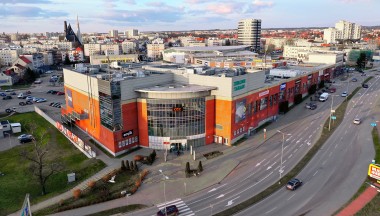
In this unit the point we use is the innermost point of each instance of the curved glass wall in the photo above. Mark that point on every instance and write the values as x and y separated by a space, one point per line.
176 118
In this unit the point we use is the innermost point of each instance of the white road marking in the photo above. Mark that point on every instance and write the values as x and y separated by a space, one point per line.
266 163
283 161
310 136
301 145
285 147
298 141
315 173
277 154
271 210
291 196
291 155
295 150
323 163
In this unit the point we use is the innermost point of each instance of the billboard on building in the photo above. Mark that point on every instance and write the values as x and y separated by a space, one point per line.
240 111
374 171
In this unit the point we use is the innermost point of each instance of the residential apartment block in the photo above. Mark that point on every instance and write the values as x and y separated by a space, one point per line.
249 33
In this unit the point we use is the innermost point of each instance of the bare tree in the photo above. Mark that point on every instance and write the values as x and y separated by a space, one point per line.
40 167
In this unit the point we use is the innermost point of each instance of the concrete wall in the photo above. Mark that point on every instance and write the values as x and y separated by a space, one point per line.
81 82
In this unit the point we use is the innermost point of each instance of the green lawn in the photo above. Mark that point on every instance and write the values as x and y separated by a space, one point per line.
18 181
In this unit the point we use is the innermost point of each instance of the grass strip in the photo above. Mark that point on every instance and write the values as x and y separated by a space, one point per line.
326 133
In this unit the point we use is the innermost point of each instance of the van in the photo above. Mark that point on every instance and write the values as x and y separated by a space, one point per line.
38 81
21 96
324 97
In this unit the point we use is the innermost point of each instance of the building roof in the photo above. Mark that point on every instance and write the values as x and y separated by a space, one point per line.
79 49
24 59
208 49
177 88
20 66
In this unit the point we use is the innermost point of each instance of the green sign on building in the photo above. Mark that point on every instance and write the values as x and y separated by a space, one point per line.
239 85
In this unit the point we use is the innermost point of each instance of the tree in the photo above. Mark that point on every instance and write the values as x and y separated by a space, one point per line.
132 166
270 49
29 76
123 166
67 60
361 60
187 169
40 167
127 165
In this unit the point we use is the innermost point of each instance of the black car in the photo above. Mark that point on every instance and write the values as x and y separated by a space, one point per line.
365 85
51 92
8 97
26 139
293 184
170 211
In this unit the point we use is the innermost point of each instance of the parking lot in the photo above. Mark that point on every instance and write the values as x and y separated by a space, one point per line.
38 91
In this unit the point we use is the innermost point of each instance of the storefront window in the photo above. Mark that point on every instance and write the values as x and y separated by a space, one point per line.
263 103
177 118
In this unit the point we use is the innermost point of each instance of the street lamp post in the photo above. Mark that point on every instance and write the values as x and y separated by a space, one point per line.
165 177
282 151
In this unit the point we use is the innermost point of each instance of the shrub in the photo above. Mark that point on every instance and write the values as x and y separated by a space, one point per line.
200 167
123 168
138 157
132 166
61 203
135 167
106 177
77 193
138 183
91 184
127 165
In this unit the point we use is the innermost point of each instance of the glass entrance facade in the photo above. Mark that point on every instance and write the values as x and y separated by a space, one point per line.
177 118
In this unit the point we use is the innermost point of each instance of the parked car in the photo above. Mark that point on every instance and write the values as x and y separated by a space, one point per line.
13 93
354 80
41 100
311 106
60 93
344 94
21 96
363 74
8 97
51 92
9 90
293 184
9 110
26 139
24 136
29 98
49 72
28 92
3 94
38 81
35 99
171 210
365 85
357 121
332 90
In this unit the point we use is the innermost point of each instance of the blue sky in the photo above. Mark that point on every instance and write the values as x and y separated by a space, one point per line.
103 15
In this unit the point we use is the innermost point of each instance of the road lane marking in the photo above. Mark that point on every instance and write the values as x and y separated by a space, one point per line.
310 136
277 154
315 173
301 145
291 196
266 163
323 163
271 210
283 161
291 155
295 150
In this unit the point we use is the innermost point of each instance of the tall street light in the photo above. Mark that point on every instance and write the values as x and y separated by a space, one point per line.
331 108
165 178
282 151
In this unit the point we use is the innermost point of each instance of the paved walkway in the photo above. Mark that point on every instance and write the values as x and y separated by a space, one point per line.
359 203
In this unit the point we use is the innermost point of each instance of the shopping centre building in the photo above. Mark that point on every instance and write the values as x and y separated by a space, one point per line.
158 106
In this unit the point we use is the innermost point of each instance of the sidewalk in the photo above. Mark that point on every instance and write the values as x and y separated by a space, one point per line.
359 202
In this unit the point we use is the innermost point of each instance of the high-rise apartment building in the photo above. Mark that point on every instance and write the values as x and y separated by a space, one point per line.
342 30
131 33
249 33
114 33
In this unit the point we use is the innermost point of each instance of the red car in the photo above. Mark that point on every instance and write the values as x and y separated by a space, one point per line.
332 90
60 93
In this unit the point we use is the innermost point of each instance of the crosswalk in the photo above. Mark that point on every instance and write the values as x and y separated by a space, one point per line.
183 209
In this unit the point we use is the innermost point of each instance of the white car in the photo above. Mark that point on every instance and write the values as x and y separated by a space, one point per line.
24 136
344 94
40 100
357 121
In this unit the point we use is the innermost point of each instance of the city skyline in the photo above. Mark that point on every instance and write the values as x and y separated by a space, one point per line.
102 16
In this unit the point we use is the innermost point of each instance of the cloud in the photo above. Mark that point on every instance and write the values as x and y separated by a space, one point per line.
28 11
222 8
25 1
262 4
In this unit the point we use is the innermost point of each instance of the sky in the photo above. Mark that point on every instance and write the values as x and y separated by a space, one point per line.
38 16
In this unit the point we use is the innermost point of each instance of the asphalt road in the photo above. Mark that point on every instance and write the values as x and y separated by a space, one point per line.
338 169
259 165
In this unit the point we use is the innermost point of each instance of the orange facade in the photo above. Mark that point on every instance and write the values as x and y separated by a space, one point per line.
143 122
